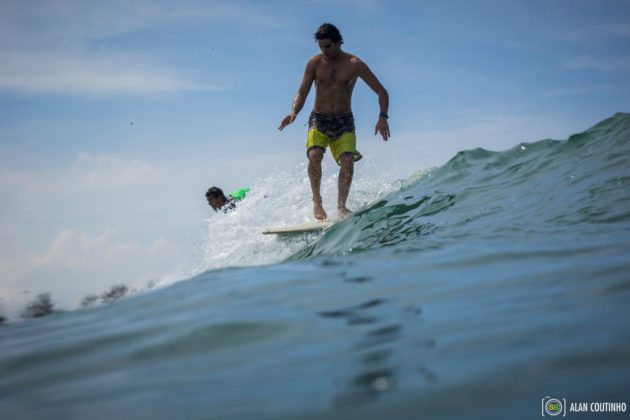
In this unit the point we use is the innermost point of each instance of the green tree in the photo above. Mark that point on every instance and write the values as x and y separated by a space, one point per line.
89 300
114 294
41 306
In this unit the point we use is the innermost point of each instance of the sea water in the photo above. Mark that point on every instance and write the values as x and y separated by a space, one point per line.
480 289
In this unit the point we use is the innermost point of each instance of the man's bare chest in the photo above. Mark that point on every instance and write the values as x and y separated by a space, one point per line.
328 75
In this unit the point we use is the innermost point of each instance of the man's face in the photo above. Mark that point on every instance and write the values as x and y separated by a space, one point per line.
329 49
215 202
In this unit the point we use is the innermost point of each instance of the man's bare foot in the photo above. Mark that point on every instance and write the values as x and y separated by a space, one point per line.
343 212
318 211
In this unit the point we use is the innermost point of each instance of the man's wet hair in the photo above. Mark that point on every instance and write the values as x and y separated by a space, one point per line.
215 192
329 31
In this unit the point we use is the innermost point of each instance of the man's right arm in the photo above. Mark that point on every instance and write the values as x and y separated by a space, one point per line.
302 94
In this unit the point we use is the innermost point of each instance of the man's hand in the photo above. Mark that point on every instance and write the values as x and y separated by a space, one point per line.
382 128
287 120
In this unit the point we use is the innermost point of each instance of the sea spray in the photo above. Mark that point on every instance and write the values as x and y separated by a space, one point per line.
280 199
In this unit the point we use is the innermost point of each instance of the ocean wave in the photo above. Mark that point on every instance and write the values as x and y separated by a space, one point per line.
533 186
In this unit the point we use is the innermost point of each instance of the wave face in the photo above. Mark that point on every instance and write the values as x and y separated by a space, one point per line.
473 290
532 190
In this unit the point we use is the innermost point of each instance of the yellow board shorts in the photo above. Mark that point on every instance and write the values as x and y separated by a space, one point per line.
346 143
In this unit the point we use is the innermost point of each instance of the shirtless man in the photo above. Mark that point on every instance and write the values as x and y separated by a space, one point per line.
331 123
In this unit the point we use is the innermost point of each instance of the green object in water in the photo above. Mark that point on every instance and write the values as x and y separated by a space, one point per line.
239 194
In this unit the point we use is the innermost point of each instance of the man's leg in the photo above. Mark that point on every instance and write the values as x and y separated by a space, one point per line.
315 156
346 171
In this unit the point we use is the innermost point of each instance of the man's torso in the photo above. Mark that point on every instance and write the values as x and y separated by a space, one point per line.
334 83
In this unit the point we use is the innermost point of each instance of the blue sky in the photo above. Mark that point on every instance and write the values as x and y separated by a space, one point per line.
116 116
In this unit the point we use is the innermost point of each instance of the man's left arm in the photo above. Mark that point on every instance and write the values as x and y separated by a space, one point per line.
382 127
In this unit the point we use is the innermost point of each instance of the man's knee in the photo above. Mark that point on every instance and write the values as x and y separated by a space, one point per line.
346 160
315 154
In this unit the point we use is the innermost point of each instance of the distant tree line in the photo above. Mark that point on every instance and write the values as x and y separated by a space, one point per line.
114 294
3 319
43 304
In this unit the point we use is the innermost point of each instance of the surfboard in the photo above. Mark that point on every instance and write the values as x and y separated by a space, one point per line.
303 228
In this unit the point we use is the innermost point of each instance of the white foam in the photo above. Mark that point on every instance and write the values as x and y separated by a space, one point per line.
280 199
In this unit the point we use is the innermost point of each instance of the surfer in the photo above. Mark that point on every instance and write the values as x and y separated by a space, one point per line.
331 123
218 201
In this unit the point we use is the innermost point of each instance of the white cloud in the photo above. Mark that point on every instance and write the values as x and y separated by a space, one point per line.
98 220
106 172
89 75
51 48
435 146
67 23
71 249
76 264
114 186
88 178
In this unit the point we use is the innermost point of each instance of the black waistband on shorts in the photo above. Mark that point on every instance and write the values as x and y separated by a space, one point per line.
332 126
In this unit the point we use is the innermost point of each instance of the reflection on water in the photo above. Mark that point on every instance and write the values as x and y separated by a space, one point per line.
374 350
358 279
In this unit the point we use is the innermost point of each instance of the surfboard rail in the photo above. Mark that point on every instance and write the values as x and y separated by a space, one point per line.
302 228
